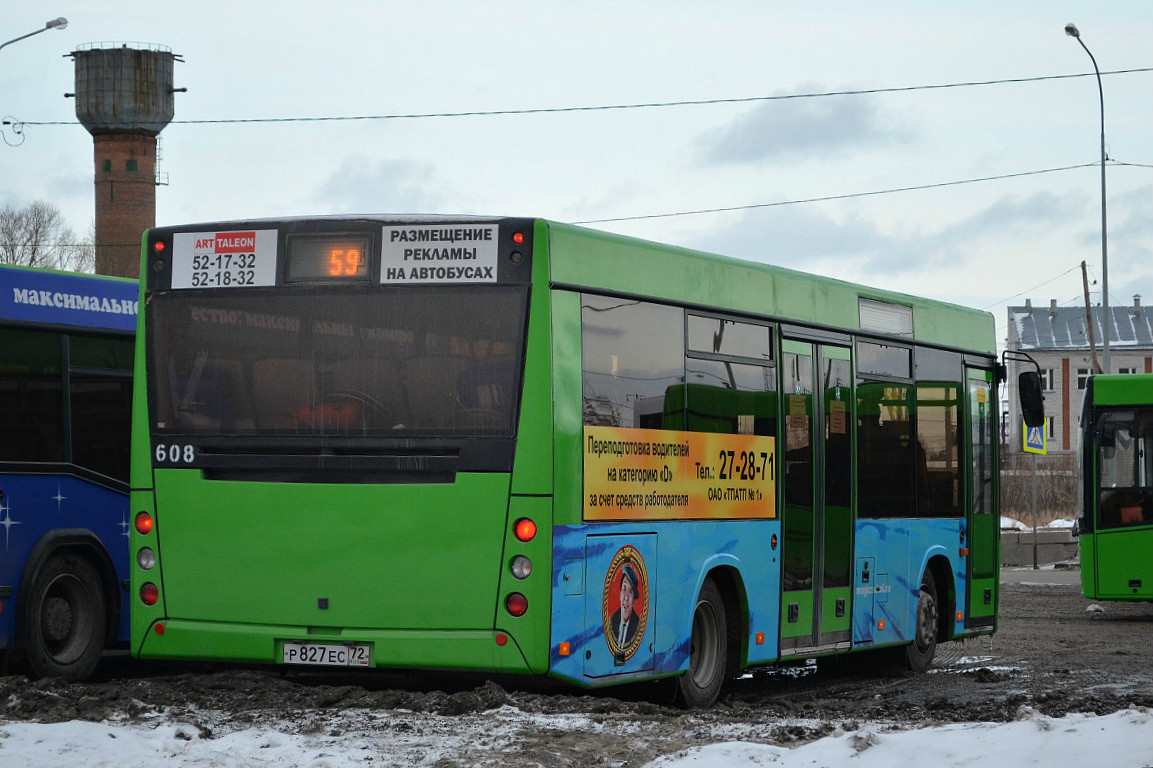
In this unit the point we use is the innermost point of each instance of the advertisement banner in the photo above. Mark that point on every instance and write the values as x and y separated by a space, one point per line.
654 474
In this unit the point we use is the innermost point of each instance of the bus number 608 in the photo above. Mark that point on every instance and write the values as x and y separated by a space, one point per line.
175 454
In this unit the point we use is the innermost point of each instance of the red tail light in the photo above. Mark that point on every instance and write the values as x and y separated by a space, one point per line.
524 529
516 604
143 523
149 594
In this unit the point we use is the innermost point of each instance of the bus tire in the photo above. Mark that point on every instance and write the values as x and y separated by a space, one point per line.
64 633
700 686
919 653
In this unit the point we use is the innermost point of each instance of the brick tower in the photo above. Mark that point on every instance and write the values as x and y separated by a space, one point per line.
124 97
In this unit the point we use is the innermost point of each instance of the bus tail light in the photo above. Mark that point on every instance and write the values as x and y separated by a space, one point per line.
521 567
146 558
524 529
149 593
144 523
516 604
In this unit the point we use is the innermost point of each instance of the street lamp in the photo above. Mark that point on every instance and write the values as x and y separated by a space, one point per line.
1106 320
58 23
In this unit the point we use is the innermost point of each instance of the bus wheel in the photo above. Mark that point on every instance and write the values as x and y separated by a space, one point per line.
64 636
701 685
919 654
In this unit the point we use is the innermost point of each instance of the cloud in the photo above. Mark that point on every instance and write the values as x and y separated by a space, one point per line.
797 237
812 127
361 185
804 237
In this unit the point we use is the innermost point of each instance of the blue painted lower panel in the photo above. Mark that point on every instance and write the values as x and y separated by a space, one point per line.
891 555
656 571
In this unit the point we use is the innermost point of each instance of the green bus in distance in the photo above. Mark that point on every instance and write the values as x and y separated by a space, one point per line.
1116 524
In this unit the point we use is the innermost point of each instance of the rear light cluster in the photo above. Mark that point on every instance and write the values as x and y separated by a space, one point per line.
146 558
524 530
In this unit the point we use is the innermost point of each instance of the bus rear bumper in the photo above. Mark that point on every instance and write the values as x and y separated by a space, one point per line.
462 650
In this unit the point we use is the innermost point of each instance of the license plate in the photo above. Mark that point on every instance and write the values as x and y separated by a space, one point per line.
328 654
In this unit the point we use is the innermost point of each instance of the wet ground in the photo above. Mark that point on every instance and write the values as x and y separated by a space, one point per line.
1055 653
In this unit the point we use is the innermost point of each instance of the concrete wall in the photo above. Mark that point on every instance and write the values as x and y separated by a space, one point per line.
1052 547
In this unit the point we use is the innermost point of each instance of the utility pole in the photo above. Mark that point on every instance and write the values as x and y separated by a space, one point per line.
1089 321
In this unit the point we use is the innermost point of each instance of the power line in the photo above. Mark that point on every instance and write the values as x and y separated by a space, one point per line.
609 107
1030 290
827 198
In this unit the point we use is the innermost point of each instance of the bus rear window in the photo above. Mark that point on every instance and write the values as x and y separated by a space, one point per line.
440 360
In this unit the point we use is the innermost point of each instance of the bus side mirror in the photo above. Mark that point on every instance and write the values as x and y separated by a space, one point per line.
1032 401
1108 435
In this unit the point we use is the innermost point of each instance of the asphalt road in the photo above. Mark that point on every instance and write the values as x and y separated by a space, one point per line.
1068 575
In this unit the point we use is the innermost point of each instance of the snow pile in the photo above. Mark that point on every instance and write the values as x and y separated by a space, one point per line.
1125 737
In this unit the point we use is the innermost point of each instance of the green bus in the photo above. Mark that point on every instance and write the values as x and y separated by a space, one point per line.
512 445
1116 524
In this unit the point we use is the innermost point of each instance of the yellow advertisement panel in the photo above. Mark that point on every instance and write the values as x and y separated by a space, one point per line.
646 474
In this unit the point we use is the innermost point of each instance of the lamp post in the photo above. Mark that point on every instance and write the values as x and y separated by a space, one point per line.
58 23
1106 320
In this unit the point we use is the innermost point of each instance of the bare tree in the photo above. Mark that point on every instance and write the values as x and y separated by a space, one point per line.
36 236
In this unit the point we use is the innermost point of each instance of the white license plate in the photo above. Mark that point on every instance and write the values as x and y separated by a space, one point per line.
328 654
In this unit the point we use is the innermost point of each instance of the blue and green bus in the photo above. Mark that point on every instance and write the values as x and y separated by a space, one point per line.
66 355
513 445
1116 523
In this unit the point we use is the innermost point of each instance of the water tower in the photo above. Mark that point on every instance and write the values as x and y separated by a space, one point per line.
124 97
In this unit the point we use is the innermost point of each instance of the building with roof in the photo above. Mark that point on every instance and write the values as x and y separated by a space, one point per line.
1058 339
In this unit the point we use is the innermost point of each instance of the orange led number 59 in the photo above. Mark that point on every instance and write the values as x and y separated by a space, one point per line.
343 261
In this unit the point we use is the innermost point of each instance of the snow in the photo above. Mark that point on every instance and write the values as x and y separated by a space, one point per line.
1126 737
1060 524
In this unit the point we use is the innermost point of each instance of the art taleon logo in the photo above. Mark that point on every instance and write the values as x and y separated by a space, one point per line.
235 242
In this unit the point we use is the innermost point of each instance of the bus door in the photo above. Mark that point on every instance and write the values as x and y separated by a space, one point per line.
1118 538
816 473
982 522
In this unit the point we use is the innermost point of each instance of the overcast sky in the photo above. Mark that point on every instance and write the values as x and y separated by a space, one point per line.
986 244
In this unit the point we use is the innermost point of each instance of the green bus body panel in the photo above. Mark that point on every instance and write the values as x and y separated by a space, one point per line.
594 259
1122 568
532 470
830 621
382 556
567 416
1122 389
803 625
261 643
531 631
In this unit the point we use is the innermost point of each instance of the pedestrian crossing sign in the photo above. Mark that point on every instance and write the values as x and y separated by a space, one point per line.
1034 438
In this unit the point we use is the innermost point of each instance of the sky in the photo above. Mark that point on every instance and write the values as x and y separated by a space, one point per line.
772 162
1076 739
